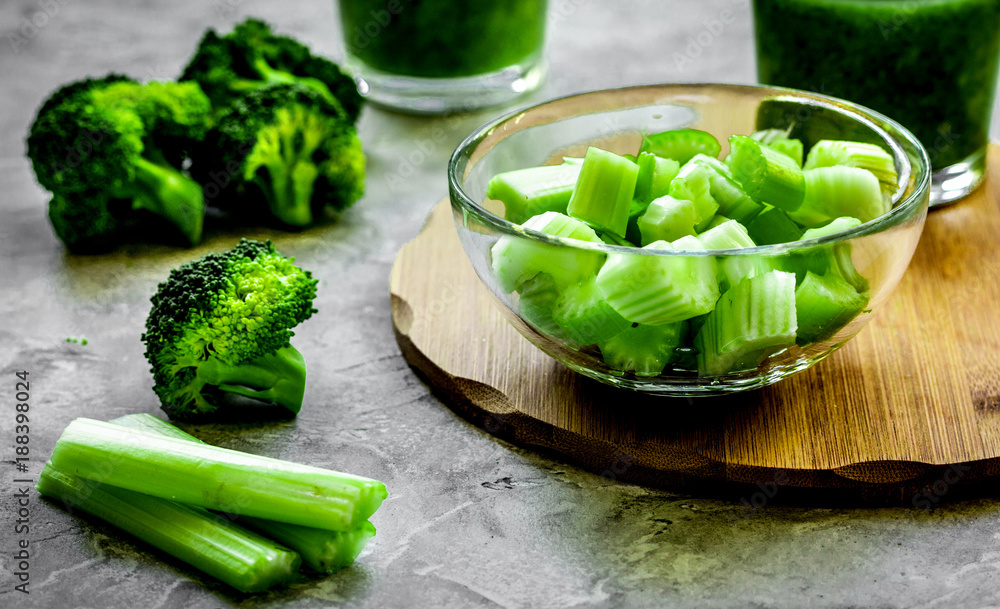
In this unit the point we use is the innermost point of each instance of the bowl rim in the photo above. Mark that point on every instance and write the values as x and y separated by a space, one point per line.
918 198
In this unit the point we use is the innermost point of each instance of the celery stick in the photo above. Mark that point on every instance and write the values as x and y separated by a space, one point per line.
681 144
777 139
732 269
536 299
693 184
642 349
832 192
752 320
603 192
321 550
242 559
733 202
667 219
654 176
767 175
828 153
824 304
585 315
529 192
834 226
216 478
632 233
772 226
657 290
516 260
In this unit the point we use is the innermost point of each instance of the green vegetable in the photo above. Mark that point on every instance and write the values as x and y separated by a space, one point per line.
828 153
110 151
681 144
287 151
252 57
604 190
321 550
585 315
824 304
655 175
216 478
535 190
667 219
242 559
694 183
643 349
772 226
766 174
832 192
221 325
777 139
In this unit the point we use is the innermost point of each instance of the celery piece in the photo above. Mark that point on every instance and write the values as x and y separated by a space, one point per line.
693 183
824 304
321 550
240 558
772 226
725 236
642 349
753 319
832 192
536 299
216 478
654 176
667 219
529 192
769 136
777 139
828 153
632 233
766 174
603 192
681 144
717 219
585 315
516 259
820 259
732 200
656 290
734 268
834 226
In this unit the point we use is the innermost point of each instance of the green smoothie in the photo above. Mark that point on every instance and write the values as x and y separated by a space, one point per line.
443 38
929 64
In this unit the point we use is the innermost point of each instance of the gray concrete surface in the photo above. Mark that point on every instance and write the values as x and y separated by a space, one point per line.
471 521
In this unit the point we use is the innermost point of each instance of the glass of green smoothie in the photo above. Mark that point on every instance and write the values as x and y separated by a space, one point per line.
438 56
929 64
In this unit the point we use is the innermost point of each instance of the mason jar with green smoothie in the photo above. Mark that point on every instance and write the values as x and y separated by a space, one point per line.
441 55
929 64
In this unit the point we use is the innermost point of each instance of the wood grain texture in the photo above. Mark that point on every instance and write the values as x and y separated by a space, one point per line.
917 390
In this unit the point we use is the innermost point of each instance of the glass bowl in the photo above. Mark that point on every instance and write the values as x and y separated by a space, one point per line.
872 256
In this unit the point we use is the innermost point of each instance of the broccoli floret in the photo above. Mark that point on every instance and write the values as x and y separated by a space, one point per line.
252 56
287 149
222 323
107 148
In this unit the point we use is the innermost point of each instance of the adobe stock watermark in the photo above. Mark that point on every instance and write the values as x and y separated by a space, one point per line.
31 26
711 31
900 17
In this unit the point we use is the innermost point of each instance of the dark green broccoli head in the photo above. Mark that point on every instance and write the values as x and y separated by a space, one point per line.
252 56
286 149
222 324
109 147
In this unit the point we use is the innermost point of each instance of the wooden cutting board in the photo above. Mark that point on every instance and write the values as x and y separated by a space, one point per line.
913 399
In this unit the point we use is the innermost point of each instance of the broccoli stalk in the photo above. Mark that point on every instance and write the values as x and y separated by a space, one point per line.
166 192
221 325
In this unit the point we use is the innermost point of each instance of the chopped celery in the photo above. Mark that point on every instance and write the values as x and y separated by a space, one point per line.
827 153
772 226
586 316
766 174
725 236
777 139
632 233
654 176
824 304
517 259
769 136
321 550
654 290
603 192
667 219
216 478
734 268
753 319
834 226
242 559
681 144
642 349
536 299
717 219
832 192
529 192
693 183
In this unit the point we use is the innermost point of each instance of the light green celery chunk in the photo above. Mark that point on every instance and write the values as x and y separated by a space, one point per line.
585 315
828 153
753 319
642 349
321 550
240 558
834 226
655 175
777 139
733 202
656 290
734 268
603 192
824 304
769 136
529 192
693 183
632 234
766 174
515 260
216 478
681 144
726 235
536 299
772 226
833 192
717 219
667 219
